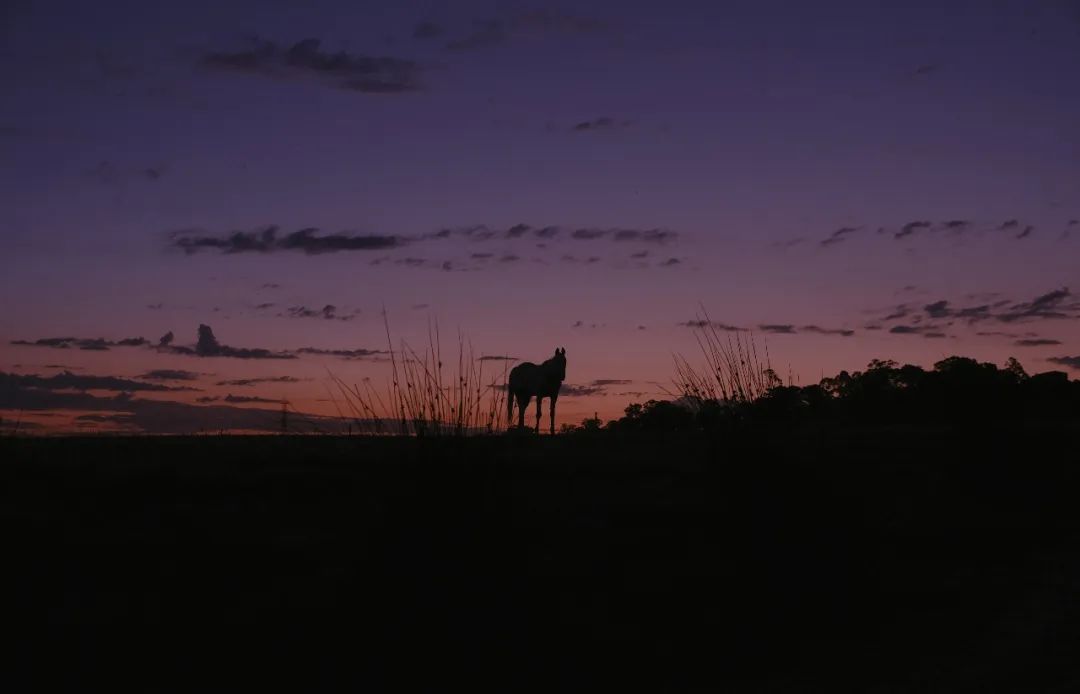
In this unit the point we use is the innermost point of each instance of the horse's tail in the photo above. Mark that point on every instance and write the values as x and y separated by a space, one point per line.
509 406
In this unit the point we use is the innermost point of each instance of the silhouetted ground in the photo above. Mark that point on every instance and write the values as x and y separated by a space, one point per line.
885 561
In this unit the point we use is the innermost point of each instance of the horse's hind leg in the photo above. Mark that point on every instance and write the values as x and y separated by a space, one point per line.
523 403
539 400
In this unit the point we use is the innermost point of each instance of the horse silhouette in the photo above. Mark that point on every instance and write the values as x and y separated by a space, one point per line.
543 381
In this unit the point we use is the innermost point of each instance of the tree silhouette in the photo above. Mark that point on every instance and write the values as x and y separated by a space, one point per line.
957 391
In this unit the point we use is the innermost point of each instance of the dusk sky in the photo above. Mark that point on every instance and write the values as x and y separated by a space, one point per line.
849 180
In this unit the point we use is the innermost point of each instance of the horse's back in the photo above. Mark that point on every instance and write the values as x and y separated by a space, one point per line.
521 374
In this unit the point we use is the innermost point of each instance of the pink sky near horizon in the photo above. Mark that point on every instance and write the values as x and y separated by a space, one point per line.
636 331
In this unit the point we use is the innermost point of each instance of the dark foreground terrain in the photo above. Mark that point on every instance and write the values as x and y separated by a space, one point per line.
876 561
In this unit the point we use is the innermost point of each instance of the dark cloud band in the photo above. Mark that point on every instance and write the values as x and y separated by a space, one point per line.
305 60
268 240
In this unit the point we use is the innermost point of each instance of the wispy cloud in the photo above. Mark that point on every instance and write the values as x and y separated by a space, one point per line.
327 312
267 240
82 382
700 323
603 123
911 228
577 391
306 61
771 328
928 331
1058 304
842 332
901 311
1070 362
938 309
125 412
482 232
598 386
309 241
1054 305
238 399
96 344
343 353
208 346
170 375
838 236
924 228
257 381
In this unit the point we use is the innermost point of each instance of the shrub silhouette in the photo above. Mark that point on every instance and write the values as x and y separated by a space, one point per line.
957 391
657 415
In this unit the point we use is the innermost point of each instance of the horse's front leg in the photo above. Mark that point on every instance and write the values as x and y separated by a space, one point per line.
551 409
539 399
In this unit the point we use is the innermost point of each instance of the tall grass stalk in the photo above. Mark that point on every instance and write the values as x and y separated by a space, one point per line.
732 372
423 397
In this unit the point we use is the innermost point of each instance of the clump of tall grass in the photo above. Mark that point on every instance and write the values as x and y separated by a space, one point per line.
425 397
732 372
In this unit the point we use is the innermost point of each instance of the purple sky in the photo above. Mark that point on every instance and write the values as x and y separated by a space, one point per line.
840 165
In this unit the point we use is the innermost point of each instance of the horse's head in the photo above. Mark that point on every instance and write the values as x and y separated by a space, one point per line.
559 362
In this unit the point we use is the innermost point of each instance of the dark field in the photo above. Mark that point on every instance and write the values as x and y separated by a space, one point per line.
877 562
